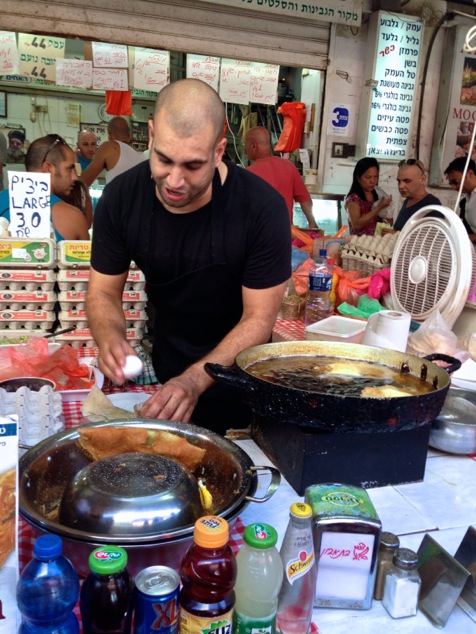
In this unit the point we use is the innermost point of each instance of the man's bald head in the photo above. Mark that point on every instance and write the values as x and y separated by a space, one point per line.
87 144
189 104
118 130
257 143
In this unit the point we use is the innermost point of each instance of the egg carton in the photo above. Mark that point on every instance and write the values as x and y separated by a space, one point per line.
73 254
136 300
23 253
82 337
28 319
39 413
29 300
78 279
80 320
27 279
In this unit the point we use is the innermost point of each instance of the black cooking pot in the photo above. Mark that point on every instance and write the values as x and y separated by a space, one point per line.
331 412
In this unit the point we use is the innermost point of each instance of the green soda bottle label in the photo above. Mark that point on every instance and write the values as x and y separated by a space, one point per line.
243 624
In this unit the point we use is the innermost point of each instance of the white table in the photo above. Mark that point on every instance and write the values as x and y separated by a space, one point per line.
444 505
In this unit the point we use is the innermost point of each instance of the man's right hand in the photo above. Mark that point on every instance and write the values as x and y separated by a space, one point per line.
112 357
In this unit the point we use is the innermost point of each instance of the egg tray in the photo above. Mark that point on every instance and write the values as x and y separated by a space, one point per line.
82 337
27 300
131 300
39 413
368 254
77 280
26 319
27 279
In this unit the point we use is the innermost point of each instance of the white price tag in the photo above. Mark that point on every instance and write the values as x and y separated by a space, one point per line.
30 207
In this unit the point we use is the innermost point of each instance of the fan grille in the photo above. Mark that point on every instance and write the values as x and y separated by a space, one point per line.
425 270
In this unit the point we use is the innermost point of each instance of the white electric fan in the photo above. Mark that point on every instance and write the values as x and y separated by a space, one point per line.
433 266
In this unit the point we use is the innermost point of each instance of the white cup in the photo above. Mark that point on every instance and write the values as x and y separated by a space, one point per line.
388 329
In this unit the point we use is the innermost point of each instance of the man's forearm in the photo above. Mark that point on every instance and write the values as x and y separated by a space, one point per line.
105 316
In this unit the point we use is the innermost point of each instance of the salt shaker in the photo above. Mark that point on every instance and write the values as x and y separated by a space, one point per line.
388 546
402 585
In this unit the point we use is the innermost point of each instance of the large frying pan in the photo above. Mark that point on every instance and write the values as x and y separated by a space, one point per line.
328 412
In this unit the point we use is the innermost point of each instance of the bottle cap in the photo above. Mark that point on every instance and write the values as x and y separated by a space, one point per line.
389 541
260 536
405 558
48 547
210 531
108 560
322 253
301 509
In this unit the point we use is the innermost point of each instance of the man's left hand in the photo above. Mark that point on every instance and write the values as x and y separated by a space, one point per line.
175 400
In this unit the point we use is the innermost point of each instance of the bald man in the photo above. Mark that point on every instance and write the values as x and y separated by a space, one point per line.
278 172
214 243
115 155
87 146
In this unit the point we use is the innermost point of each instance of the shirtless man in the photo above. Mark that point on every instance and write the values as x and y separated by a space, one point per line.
115 155
51 154
87 146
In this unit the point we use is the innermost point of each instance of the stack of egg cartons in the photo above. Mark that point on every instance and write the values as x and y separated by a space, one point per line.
73 276
368 254
27 279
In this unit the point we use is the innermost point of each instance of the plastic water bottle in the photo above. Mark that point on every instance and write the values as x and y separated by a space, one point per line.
318 305
295 604
259 579
48 590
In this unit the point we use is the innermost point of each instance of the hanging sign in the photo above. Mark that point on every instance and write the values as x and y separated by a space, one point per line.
30 208
243 82
151 69
74 72
205 68
110 79
390 81
109 55
38 55
336 11
8 53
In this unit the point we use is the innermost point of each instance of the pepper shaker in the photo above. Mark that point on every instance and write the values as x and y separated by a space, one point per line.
388 546
402 585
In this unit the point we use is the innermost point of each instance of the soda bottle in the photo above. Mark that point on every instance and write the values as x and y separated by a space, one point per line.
318 304
48 590
258 582
296 598
208 576
107 594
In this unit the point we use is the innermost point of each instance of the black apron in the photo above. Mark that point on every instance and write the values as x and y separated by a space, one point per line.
193 314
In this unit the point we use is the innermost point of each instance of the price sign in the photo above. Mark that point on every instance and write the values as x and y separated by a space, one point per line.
30 208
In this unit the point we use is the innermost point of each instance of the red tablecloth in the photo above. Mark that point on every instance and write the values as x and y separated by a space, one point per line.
285 330
72 415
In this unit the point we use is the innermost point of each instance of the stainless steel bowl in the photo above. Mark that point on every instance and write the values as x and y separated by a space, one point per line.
454 430
131 494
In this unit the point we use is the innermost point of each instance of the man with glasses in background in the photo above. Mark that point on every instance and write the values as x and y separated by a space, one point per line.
51 154
411 179
467 205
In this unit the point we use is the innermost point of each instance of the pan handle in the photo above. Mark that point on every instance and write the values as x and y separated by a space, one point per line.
230 375
454 364
273 485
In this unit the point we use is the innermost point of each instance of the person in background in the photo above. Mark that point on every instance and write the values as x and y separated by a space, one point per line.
50 154
79 197
278 172
411 179
362 203
16 147
87 146
3 157
115 155
214 243
467 204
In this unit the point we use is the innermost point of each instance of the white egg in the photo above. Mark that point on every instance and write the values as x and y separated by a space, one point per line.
133 366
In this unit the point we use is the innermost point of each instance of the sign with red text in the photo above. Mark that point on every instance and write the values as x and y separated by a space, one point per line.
205 68
246 82
38 55
344 565
151 69
74 72
110 79
8 53
390 82
109 55
30 208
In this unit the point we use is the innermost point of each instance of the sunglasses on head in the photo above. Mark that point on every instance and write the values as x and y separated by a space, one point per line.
416 162
58 141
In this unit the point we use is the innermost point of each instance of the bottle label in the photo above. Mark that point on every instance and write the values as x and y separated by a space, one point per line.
296 568
243 624
192 624
320 282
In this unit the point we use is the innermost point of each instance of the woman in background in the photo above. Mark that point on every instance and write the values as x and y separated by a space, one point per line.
363 204
80 198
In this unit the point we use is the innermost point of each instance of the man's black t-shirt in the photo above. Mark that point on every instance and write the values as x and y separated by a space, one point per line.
256 237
